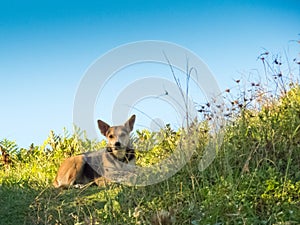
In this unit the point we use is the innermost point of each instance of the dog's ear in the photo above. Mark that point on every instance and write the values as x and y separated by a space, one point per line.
103 127
129 123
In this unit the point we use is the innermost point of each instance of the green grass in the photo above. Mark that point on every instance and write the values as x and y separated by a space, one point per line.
254 179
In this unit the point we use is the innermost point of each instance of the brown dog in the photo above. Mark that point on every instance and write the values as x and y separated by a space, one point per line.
94 166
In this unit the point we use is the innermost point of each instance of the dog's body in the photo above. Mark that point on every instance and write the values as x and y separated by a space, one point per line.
95 166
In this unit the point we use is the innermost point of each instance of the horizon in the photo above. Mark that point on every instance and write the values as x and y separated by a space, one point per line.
47 48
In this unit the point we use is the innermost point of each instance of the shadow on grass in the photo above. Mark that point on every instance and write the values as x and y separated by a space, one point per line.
25 205
54 206
14 202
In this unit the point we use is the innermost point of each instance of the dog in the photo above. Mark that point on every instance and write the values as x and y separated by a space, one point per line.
94 167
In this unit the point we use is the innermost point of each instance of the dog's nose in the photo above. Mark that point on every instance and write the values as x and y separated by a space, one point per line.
118 144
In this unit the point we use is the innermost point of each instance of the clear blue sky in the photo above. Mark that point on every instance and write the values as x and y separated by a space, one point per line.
46 47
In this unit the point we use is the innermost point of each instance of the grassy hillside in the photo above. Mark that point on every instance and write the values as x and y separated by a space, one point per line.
254 179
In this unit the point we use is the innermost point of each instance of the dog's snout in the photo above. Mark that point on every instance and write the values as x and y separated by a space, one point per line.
118 144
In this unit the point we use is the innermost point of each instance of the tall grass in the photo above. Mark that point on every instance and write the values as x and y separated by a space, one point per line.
254 178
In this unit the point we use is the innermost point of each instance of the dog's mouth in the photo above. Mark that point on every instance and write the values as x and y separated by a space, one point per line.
118 148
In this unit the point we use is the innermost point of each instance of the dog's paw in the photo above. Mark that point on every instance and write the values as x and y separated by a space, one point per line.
102 182
78 186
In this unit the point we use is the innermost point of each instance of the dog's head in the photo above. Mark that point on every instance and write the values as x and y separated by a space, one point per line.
118 137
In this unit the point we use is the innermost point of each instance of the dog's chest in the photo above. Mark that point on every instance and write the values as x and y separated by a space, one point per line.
106 165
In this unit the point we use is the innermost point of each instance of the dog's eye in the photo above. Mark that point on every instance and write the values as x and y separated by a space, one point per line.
110 136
